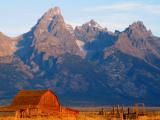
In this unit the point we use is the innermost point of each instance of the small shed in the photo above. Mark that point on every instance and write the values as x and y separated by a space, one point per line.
36 103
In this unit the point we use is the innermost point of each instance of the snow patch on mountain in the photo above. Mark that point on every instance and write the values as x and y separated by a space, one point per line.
80 44
70 28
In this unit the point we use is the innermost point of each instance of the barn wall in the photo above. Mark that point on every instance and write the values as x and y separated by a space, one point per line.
49 102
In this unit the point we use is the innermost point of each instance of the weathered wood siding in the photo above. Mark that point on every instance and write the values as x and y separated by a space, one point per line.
49 103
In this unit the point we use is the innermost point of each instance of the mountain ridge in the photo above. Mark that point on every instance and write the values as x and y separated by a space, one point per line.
84 63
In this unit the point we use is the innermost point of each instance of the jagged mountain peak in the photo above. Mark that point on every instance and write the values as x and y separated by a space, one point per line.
55 11
52 14
92 23
47 22
89 31
138 30
51 36
135 41
138 25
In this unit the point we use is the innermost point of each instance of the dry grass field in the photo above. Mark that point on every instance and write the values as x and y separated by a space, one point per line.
92 114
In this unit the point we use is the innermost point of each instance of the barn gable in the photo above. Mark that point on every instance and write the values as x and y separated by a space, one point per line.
49 99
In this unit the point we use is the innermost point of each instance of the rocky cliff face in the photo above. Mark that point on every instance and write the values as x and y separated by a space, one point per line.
7 46
88 31
51 36
136 41
84 63
95 39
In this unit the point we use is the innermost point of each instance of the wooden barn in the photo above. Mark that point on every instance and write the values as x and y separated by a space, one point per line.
29 103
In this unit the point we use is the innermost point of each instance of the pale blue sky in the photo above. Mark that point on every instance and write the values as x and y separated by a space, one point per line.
18 16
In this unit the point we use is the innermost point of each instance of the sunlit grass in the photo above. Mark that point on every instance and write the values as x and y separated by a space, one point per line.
83 116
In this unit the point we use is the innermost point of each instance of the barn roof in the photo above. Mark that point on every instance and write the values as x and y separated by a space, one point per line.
31 92
28 97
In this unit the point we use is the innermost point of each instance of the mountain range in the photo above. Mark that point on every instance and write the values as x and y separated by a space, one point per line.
87 65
